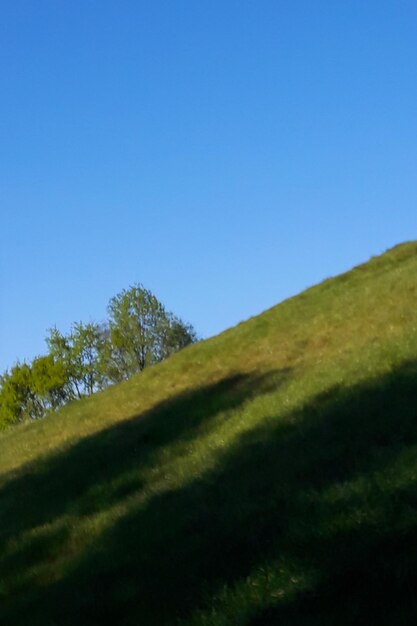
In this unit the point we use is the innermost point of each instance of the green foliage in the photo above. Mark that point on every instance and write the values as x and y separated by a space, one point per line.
17 399
48 382
80 352
177 335
28 391
141 333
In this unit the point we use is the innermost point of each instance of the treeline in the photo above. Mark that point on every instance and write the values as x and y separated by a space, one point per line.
139 332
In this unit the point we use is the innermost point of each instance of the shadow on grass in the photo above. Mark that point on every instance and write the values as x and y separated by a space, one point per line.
265 500
99 471
68 481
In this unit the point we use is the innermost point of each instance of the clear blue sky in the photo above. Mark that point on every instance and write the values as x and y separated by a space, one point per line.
225 153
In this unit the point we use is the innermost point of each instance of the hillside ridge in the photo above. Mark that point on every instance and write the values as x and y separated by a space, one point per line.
265 475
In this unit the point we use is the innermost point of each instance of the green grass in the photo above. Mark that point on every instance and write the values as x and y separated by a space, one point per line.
265 476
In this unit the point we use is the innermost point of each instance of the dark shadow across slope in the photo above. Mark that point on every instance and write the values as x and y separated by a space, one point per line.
266 500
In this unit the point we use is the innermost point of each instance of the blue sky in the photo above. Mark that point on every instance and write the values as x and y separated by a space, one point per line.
226 154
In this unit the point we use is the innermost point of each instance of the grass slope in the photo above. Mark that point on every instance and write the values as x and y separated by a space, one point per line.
266 476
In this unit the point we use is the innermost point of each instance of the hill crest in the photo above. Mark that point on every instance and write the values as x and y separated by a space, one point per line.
252 478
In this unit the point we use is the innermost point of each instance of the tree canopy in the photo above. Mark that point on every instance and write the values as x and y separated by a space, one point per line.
139 332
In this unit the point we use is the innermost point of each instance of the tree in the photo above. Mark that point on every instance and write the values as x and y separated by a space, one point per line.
178 335
80 353
18 401
48 382
28 392
140 333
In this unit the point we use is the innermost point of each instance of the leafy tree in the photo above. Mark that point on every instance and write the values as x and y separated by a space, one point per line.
178 335
80 353
29 391
18 400
48 382
141 332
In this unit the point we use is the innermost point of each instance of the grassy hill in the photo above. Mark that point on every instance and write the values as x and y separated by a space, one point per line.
265 476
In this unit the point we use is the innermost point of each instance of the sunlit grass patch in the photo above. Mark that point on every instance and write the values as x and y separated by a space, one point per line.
265 476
